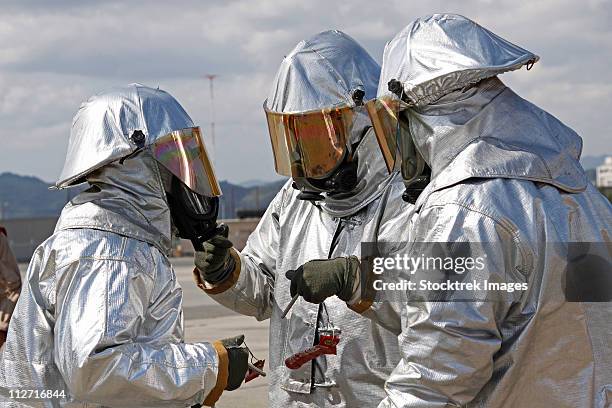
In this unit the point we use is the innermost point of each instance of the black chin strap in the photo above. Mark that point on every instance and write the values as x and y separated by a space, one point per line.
310 196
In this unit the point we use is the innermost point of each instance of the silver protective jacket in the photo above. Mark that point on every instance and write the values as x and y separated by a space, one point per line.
100 316
503 172
293 232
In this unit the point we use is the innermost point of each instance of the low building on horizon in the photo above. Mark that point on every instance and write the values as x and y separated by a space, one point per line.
604 174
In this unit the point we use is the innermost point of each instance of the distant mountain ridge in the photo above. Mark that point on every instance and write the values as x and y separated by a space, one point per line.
30 197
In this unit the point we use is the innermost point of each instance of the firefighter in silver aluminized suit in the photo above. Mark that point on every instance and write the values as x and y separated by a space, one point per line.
495 169
340 194
100 317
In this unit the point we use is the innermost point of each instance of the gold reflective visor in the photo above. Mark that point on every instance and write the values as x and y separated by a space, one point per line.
310 144
394 136
383 115
184 154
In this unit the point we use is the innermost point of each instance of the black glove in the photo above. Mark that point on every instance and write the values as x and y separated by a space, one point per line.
319 279
238 356
214 262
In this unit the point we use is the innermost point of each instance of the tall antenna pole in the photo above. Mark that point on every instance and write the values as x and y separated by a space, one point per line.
211 80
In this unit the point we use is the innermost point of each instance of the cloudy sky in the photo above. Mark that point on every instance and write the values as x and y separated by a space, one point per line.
54 55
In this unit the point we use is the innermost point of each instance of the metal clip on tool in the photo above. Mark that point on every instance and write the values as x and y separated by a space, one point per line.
255 367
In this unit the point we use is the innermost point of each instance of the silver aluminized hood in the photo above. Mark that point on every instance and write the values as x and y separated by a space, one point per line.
488 131
323 72
484 130
125 198
440 53
102 127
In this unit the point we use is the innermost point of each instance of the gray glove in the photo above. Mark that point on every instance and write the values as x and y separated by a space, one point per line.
319 279
214 262
238 356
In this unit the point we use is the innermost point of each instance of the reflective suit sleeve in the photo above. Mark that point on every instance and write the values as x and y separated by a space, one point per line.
253 291
392 235
448 347
107 355
385 313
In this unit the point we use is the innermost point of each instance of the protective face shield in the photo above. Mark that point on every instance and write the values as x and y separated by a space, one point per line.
315 114
317 148
191 187
390 119
118 124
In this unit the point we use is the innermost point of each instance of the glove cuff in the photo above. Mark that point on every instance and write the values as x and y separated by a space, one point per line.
224 284
360 306
222 375
356 303
351 275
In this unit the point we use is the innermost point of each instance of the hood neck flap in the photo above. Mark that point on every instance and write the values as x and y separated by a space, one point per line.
488 131
126 198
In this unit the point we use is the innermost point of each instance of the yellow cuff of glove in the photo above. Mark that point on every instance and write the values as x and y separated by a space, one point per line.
222 375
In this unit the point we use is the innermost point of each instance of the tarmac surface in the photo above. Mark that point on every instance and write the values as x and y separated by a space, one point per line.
206 320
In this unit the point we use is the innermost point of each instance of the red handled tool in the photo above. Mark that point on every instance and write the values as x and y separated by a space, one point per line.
328 339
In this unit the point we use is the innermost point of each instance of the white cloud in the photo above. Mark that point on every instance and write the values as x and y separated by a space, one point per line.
55 55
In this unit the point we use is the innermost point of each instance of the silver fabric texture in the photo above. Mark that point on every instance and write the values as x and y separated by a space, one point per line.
291 233
443 52
322 72
100 315
101 129
489 131
503 171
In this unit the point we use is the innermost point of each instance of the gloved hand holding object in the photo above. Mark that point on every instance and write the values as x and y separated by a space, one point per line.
239 369
319 279
238 360
214 261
